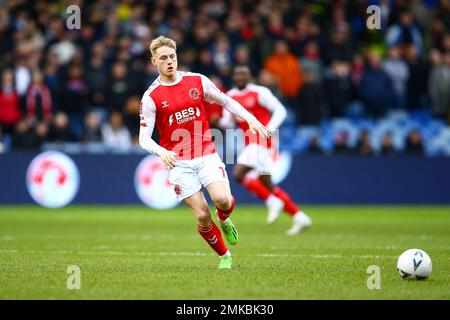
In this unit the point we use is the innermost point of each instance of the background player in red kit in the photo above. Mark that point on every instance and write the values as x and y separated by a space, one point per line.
257 154
175 104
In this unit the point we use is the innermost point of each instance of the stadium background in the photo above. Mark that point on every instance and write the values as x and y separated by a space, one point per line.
368 123
369 110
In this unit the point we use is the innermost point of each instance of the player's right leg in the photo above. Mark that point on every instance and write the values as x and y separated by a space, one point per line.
256 187
208 229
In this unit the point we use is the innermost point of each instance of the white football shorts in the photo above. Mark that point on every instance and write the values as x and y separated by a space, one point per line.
257 157
188 176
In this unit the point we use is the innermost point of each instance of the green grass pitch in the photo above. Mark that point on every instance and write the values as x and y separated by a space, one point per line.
131 252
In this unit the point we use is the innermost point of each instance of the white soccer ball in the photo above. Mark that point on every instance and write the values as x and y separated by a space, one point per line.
414 264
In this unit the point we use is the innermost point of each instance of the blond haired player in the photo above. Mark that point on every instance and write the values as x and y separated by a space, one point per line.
175 105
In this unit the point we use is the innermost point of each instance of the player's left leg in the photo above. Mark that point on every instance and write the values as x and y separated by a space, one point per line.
300 220
187 186
241 173
208 229
220 194
212 175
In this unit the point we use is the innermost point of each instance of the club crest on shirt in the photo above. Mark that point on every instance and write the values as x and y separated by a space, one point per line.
177 189
194 93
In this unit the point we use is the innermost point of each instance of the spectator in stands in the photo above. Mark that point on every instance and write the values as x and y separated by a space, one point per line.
442 13
205 63
41 131
310 61
119 87
439 86
59 130
338 88
387 145
131 113
398 71
73 97
414 144
364 147
341 143
339 46
22 77
242 57
9 103
115 135
311 95
286 69
51 77
150 74
39 105
260 45
376 88
357 69
92 128
445 43
313 146
24 137
221 52
97 81
305 31
405 32
417 85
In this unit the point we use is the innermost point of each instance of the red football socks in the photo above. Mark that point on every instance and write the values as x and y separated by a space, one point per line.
256 187
289 205
223 215
213 236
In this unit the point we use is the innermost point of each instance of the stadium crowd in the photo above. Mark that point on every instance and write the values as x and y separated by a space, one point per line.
319 57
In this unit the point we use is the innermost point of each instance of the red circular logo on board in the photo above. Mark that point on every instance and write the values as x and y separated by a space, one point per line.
53 179
152 184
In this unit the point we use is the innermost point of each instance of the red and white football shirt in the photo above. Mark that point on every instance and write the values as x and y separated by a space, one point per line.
261 103
178 110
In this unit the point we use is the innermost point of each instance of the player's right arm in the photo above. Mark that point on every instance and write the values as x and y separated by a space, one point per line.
146 126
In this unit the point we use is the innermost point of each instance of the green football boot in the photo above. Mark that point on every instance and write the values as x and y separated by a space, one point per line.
225 262
230 231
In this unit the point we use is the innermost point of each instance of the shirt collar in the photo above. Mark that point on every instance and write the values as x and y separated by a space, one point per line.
177 80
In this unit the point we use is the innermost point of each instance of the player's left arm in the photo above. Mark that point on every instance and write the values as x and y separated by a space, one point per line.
270 102
212 94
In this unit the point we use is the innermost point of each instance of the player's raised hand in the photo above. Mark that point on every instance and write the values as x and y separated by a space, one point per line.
256 127
168 158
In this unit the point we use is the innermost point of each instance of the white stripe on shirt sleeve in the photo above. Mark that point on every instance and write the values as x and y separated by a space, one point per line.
147 124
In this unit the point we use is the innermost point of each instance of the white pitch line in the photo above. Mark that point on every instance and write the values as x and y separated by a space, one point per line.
201 254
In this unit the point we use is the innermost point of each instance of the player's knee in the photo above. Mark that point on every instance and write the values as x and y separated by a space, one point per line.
202 213
222 201
203 217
